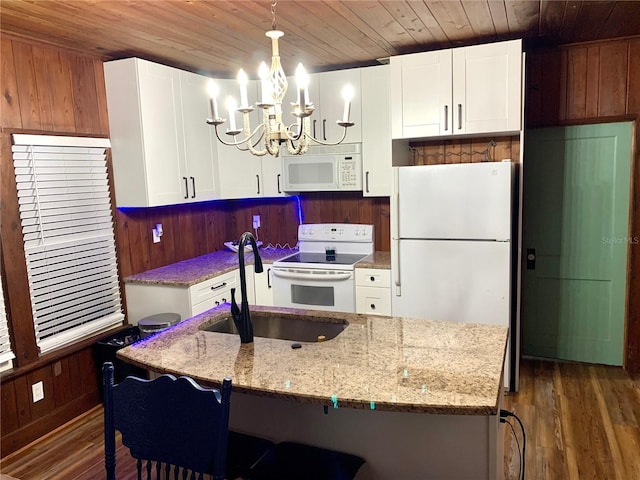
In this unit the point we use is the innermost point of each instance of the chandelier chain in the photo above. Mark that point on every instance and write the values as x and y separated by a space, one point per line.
273 14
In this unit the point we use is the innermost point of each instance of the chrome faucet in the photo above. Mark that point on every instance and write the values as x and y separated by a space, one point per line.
241 315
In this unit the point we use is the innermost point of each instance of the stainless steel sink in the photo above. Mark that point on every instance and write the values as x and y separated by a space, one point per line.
285 327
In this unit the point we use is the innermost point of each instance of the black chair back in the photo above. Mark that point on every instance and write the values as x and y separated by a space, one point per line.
168 424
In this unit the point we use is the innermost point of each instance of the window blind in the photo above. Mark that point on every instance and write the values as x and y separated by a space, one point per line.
69 244
6 354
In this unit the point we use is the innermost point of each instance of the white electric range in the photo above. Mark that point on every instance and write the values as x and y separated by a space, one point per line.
320 276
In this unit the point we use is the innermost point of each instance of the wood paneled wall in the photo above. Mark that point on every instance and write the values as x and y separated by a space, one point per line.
467 150
197 229
592 83
44 90
350 207
47 90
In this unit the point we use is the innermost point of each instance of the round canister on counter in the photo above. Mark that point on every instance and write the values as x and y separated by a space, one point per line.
156 323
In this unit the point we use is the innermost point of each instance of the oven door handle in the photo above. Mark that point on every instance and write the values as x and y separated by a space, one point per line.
329 277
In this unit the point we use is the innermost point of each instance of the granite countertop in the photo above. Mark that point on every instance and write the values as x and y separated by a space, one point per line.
384 363
198 269
380 260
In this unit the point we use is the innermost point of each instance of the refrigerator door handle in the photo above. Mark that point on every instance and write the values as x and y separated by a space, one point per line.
395 234
396 262
395 231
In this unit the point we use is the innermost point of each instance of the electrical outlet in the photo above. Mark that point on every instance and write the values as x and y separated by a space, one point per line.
157 233
256 221
37 389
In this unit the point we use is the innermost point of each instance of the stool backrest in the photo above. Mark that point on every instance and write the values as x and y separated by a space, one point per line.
170 423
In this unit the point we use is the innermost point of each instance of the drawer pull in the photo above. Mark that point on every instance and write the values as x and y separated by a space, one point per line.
217 303
373 306
223 284
373 279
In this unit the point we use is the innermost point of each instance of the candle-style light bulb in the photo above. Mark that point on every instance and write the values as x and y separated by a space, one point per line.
231 106
302 81
347 95
243 80
263 73
213 89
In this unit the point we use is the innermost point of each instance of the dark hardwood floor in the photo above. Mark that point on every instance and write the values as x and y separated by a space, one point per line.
582 422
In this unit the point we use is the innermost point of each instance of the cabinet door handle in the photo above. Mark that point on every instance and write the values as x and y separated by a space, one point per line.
366 182
217 303
193 185
278 180
446 118
314 128
258 181
324 129
186 187
223 284
459 116
268 278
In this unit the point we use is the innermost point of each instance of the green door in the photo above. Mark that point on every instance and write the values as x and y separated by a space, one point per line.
576 239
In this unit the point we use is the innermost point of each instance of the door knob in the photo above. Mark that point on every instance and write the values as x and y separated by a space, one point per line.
531 258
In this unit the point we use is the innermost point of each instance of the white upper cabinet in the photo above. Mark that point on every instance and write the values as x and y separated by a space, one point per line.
199 139
239 172
376 131
330 106
325 92
242 174
155 162
463 91
421 94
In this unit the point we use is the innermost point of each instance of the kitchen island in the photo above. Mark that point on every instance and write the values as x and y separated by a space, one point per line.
415 398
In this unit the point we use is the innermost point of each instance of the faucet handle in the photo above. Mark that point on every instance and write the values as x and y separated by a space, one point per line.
235 310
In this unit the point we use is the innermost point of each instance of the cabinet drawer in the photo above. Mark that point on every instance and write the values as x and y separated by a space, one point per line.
207 290
373 277
373 300
218 299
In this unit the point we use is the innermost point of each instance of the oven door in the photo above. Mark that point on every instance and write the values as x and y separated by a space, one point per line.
332 290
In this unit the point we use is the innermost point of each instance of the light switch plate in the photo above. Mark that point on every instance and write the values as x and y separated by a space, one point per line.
37 389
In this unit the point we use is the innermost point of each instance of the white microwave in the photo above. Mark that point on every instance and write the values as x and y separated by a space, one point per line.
324 168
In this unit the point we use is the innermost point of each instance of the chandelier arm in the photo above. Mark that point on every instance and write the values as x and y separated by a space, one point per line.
239 142
303 143
322 142
272 147
249 135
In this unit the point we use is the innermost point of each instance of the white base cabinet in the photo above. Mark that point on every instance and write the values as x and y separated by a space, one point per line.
149 299
264 287
373 291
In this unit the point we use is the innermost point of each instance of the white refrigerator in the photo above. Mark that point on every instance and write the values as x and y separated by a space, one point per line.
451 249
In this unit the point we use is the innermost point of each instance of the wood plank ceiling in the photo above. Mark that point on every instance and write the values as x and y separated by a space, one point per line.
218 37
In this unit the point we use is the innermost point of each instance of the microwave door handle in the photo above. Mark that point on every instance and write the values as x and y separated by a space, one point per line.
312 276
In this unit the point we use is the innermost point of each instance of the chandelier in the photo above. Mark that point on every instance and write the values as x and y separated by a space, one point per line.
272 132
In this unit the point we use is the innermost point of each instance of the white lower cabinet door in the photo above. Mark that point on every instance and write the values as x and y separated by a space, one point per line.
263 287
373 300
